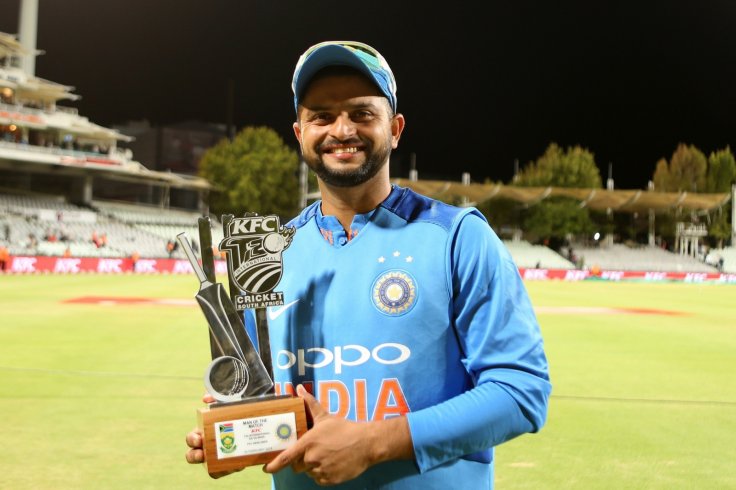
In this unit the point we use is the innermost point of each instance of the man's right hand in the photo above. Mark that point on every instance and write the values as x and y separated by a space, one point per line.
195 454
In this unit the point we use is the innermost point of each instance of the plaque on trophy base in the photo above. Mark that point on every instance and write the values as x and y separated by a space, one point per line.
240 434
248 424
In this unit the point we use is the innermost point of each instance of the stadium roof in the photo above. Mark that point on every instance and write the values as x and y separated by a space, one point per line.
596 199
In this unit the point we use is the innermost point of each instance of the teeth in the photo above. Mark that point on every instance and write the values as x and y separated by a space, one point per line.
352 149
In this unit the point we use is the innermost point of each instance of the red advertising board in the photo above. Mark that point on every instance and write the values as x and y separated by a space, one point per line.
74 265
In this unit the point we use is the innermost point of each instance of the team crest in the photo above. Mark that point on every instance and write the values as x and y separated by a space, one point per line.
394 292
254 245
283 432
227 438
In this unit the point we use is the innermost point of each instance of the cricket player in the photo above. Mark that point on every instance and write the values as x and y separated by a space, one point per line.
405 327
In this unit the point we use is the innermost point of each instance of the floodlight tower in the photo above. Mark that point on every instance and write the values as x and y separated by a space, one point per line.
27 27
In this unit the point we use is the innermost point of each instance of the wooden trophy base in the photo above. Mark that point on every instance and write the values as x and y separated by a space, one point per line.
250 432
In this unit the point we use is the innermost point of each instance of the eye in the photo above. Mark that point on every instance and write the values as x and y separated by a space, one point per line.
362 116
321 118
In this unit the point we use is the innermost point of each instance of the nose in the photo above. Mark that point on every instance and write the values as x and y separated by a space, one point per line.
343 127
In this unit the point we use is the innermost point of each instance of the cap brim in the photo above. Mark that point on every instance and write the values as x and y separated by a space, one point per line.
332 55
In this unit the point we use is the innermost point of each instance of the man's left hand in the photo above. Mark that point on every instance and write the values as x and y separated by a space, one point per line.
333 451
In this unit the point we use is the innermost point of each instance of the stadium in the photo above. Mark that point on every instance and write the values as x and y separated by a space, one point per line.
102 346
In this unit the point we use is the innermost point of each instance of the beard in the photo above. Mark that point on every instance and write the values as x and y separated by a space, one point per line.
374 162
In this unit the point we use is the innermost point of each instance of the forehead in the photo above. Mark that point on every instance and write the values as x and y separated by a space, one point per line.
333 86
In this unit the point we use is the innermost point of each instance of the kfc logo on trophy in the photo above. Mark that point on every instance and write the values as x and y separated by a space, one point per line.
254 245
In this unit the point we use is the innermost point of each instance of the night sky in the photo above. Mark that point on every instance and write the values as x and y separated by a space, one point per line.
481 84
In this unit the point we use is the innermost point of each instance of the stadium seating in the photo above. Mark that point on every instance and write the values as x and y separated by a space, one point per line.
641 258
526 255
49 225
728 254
156 226
43 225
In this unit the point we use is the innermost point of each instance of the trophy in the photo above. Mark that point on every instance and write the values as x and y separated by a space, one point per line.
247 424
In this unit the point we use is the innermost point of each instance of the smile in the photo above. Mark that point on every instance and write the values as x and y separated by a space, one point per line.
349 149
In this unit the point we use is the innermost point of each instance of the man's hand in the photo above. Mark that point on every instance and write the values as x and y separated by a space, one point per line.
195 454
335 450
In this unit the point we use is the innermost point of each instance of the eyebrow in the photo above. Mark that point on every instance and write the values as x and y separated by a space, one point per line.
350 106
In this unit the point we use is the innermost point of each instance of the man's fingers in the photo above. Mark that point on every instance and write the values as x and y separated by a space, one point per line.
285 458
315 409
194 439
278 463
195 456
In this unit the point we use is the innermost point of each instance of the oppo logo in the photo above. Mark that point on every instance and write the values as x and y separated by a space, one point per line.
346 355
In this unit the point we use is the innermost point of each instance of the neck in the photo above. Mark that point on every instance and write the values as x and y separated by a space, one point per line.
345 202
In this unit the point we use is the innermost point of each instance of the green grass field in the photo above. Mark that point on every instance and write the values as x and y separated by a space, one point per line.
102 395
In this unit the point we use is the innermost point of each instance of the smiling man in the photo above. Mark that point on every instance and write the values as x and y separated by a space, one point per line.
410 334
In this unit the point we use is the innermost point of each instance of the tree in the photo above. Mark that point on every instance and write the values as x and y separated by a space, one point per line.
720 177
255 172
686 171
557 218
720 228
573 167
721 171
661 177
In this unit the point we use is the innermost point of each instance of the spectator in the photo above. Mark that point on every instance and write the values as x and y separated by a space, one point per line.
32 242
4 257
170 247
134 258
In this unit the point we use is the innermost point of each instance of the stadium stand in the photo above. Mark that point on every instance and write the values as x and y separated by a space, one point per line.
159 226
728 254
526 255
44 225
642 258
35 224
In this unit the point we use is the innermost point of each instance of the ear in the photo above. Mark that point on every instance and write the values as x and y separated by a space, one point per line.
297 132
397 127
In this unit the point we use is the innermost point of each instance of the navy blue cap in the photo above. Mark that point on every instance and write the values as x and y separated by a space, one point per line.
353 54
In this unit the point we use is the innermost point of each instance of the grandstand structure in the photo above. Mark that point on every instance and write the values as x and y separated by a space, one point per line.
49 148
66 188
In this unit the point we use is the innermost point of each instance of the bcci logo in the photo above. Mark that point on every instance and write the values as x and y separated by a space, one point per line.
283 432
394 292
254 245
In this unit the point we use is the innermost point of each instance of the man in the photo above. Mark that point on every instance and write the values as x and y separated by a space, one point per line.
410 322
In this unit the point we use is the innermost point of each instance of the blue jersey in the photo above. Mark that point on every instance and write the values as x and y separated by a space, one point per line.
423 314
